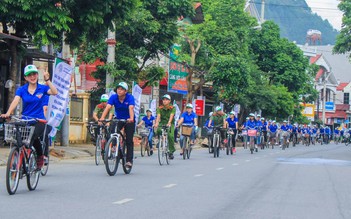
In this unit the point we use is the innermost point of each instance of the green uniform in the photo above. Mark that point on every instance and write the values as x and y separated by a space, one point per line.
99 109
218 119
165 113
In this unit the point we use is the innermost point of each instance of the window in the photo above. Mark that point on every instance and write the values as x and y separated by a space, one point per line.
346 98
76 112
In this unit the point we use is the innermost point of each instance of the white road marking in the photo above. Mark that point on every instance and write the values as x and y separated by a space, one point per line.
123 201
220 168
247 160
198 175
235 164
256 157
169 186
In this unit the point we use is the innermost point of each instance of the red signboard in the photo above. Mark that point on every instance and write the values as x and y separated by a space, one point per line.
200 107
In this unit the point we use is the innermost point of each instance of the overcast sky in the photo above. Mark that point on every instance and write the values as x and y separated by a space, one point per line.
327 9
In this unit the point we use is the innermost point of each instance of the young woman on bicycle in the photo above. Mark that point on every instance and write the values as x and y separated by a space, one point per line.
232 122
189 118
165 116
124 109
148 120
31 95
272 128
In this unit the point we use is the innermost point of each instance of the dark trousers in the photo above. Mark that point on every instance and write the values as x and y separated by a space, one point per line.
129 129
38 136
233 137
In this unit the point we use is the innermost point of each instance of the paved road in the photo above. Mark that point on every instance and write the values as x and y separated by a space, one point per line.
301 182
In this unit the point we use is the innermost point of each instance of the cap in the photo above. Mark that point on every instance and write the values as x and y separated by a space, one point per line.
189 105
258 115
104 98
247 118
285 121
123 85
166 96
251 114
218 108
210 114
232 113
30 69
262 118
149 110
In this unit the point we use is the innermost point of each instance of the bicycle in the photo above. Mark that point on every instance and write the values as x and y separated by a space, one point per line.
273 138
22 160
209 139
115 152
162 145
229 147
216 140
306 139
144 145
285 135
45 168
313 139
244 134
186 132
252 133
347 139
101 140
92 126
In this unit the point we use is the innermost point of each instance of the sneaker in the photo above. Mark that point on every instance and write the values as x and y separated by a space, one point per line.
225 141
234 150
46 160
181 153
151 152
40 161
171 157
128 164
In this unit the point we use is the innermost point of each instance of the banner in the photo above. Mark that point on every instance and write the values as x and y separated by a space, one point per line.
153 107
136 92
177 114
200 107
61 79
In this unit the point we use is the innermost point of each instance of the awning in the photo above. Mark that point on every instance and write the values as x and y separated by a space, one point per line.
8 36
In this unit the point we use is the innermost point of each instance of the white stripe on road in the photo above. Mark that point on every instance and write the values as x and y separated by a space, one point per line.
256 157
220 168
247 160
169 186
235 164
198 175
123 201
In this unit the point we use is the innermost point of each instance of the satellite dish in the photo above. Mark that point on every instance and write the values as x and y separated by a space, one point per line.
9 84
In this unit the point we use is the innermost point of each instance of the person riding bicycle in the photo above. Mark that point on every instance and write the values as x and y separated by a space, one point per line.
188 118
273 130
251 124
285 128
232 122
327 133
149 121
336 134
124 103
218 118
99 109
31 95
264 129
165 116
294 131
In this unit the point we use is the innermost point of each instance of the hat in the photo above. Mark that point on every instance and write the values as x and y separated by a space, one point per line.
166 96
210 114
247 118
123 85
262 118
218 108
30 69
258 115
189 105
104 98
251 114
285 121
232 113
149 110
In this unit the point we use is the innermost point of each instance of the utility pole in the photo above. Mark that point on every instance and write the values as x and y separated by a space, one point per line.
65 122
111 53
324 96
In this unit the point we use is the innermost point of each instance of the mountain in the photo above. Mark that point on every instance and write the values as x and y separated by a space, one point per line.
295 18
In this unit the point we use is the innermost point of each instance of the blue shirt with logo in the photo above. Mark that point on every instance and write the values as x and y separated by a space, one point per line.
122 109
232 122
33 103
148 122
321 130
264 127
273 128
189 119
285 128
251 124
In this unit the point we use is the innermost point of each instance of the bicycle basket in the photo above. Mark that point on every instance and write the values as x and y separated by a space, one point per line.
26 133
144 131
252 133
186 130
244 132
230 131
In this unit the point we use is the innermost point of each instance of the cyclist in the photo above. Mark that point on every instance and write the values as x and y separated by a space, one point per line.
123 103
252 124
259 126
99 109
264 129
294 131
165 116
31 95
149 121
218 118
336 134
273 132
285 128
327 133
232 122
321 132
188 118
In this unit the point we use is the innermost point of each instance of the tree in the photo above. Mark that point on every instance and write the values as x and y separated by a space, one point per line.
343 40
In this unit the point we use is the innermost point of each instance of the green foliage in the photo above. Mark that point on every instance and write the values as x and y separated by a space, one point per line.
343 42
295 18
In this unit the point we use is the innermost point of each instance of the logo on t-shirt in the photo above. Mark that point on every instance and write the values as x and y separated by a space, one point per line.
39 95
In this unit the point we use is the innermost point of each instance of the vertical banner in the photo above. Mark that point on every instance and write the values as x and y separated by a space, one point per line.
177 72
177 114
153 107
61 79
200 107
136 92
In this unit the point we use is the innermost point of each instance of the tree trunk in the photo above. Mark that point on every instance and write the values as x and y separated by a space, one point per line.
13 68
189 78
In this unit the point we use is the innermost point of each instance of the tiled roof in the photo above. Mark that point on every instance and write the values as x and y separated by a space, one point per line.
319 73
315 59
341 86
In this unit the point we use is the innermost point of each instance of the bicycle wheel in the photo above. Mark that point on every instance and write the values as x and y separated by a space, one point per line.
185 147
161 153
32 172
142 146
252 144
45 168
189 151
12 171
110 158
210 147
215 146
122 155
228 145
98 150
347 142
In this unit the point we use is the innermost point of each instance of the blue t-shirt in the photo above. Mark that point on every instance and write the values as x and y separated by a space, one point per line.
251 124
33 103
148 122
264 128
122 109
294 129
232 123
45 100
259 124
327 131
189 119
321 130
336 131
207 121
273 128
284 127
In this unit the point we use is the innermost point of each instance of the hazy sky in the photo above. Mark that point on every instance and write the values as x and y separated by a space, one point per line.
327 9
